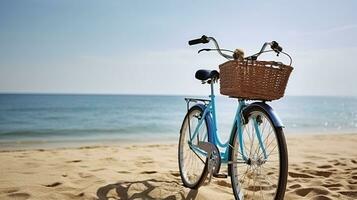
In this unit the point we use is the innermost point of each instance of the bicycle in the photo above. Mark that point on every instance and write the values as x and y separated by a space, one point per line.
256 152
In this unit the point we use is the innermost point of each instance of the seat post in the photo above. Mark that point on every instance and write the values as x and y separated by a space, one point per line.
212 89
213 107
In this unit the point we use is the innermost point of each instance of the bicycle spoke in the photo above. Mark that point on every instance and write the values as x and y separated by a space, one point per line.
257 149
244 144
245 127
245 173
251 145
270 151
267 138
259 179
269 144
261 136
268 179
261 189
199 157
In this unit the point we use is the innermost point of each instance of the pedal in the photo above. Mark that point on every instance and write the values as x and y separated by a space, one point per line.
220 175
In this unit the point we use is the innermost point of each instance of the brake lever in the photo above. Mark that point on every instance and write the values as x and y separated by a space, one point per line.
199 51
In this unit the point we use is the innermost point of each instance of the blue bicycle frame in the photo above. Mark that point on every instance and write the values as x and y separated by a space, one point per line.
209 112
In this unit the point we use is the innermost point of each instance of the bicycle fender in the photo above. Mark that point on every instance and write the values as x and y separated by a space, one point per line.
269 110
209 122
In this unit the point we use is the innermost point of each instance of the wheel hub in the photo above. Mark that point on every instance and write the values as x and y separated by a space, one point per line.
257 162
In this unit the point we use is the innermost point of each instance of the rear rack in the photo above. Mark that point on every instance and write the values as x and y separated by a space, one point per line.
195 100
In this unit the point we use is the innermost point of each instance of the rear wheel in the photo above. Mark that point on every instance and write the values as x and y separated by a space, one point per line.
263 172
192 162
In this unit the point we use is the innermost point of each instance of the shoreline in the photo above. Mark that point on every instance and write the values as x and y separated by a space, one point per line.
6 146
53 145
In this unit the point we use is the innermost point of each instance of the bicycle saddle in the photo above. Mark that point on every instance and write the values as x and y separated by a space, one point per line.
204 74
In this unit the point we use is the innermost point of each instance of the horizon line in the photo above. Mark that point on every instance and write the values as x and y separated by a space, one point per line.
146 94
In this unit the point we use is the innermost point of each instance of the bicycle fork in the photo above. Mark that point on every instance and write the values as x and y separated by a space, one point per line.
257 131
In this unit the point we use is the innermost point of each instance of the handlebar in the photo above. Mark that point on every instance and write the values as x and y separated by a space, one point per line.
273 45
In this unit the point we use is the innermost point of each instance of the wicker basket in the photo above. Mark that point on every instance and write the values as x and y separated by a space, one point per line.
254 80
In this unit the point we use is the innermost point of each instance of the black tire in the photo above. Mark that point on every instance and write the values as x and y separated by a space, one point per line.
203 171
283 161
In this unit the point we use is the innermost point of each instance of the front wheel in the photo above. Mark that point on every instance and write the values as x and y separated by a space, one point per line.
192 161
259 158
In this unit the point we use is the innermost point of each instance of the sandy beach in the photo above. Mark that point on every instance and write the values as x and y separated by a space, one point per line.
320 167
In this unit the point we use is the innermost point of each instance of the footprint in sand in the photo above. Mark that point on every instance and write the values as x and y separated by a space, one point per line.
148 172
352 194
324 166
313 157
338 163
299 175
304 191
9 190
109 159
74 161
352 182
143 161
176 174
320 197
123 172
147 162
84 175
223 183
352 187
97 170
80 194
325 174
354 172
297 168
295 186
332 185
55 184
334 188
335 162
27 172
19 196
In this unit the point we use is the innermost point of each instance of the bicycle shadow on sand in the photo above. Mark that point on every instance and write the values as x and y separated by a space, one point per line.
146 189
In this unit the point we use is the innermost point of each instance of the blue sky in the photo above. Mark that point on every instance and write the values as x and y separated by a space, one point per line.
140 47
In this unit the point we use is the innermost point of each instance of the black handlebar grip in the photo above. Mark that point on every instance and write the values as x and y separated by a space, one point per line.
195 41
202 40
275 46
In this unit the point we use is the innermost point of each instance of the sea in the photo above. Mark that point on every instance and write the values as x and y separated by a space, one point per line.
67 119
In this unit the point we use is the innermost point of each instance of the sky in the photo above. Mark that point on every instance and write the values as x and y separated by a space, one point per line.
140 47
